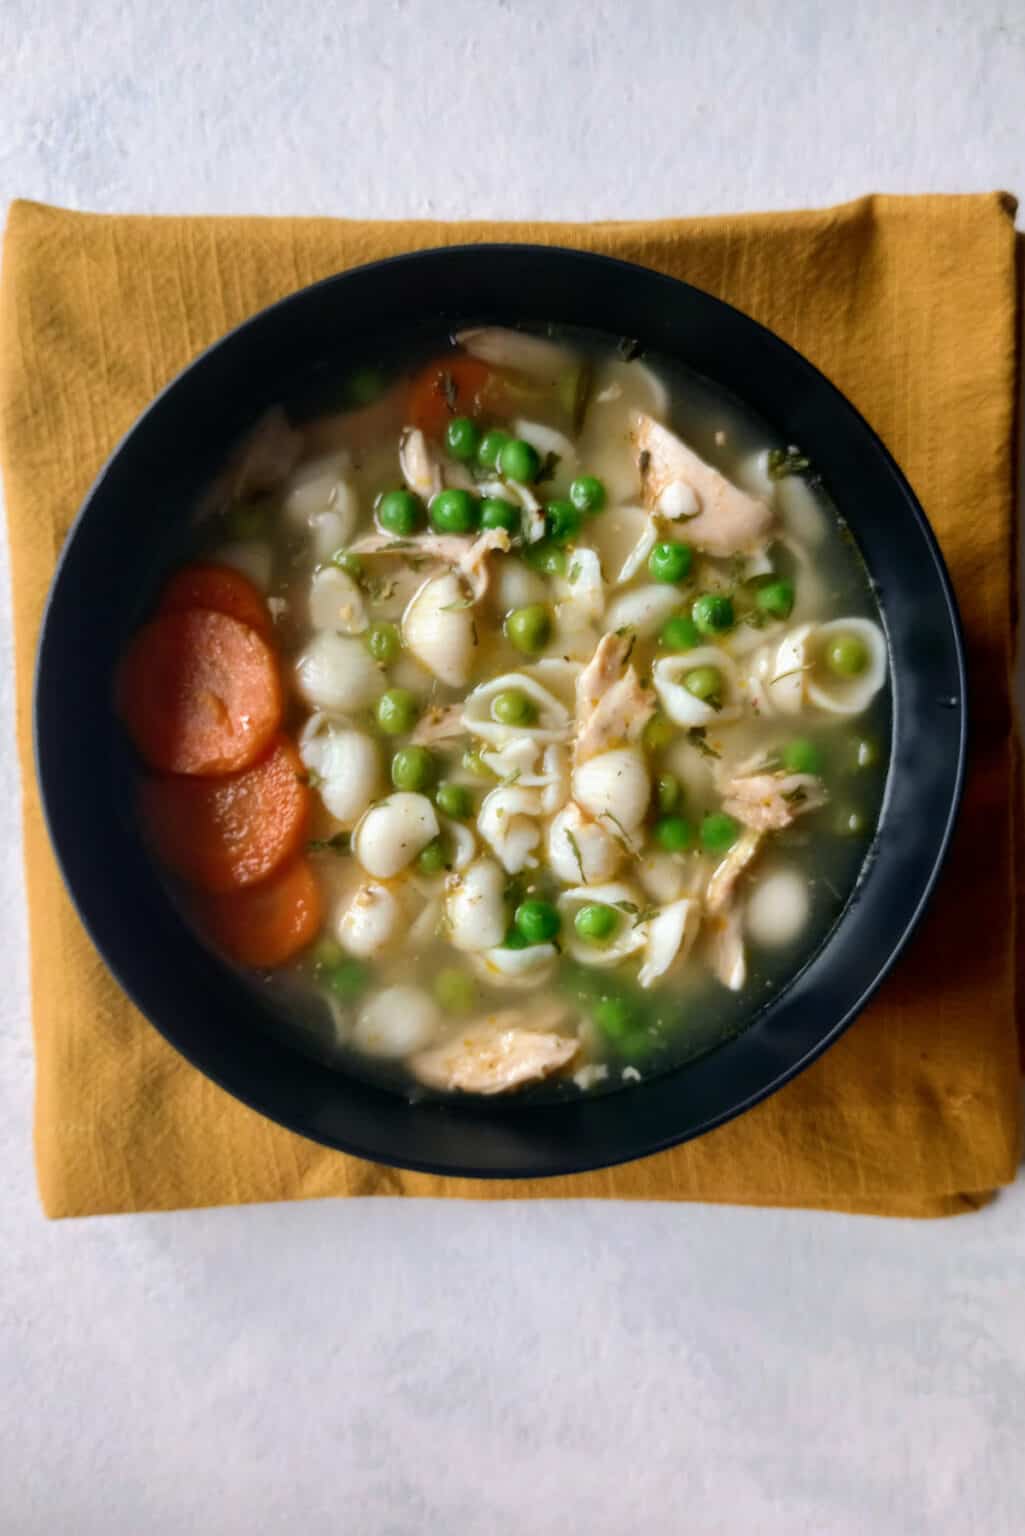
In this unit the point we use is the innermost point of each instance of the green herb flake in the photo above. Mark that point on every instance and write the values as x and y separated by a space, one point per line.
696 737
337 844
787 461
577 855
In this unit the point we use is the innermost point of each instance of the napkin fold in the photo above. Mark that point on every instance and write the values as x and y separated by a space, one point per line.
910 306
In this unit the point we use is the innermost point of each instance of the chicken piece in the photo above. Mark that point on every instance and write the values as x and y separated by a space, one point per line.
727 522
499 1052
612 707
726 950
260 464
441 722
724 878
767 802
420 469
534 356
465 555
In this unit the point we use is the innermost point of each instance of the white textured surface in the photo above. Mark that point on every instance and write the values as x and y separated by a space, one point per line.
392 1369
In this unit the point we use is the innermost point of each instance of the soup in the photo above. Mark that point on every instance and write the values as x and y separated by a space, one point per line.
521 725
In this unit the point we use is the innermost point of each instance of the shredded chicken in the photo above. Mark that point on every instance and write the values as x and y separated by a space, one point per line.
612 705
260 464
726 946
726 874
728 521
467 556
500 1051
767 802
503 348
441 722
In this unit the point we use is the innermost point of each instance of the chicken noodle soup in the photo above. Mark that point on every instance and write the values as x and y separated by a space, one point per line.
522 723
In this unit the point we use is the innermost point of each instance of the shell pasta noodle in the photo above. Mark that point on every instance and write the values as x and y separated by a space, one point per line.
520 724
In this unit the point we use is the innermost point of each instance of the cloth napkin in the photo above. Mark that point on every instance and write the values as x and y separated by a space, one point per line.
909 305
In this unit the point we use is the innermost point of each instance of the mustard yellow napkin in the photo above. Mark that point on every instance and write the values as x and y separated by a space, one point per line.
909 305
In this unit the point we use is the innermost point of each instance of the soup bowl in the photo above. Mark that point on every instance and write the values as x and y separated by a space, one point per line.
117 553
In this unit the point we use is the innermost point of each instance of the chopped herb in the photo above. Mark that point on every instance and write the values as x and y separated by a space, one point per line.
574 572
645 916
630 647
447 387
756 618
787 461
796 796
696 737
460 603
549 466
576 854
337 844
510 778
629 907
793 672
629 348
644 462
582 395
624 839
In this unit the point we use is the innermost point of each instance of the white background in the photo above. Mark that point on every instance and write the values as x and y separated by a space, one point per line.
397 1368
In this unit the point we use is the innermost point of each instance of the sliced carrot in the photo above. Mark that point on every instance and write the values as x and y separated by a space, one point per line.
224 833
267 924
200 693
222 589
455 385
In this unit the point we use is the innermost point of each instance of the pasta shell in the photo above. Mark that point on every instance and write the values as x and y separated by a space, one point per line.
614 785
848 695
581 850
643 609
518 968
508 823
679 703
778 907
372 920
553 721
391 833
396 1022
438 628
670 936
336 602
629 936
338 674
347 766
475 906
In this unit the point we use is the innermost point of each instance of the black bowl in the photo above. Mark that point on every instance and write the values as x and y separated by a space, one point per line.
114 557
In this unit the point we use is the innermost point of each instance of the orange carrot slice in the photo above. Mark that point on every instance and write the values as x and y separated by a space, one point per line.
221 834
451 386
222 589
267 924
200 693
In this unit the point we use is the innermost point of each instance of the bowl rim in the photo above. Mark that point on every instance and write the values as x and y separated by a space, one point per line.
472 1110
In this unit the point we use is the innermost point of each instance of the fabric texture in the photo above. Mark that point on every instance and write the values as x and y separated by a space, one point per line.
909 305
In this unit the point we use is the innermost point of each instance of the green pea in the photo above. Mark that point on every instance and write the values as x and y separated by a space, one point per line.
679 633
864 752
718 832
848 822
454 511
658 732
327 953
538 921
513 707
412 768
433 859
455 990
562 521
670 562
529 629
596 923
351 564
712 612
846 655
546 557
400 513
475 764
514 939
462 438
248 520
454 800
667 792
383 642
776 598
674 833
519 461
364 386
587 493
704 683
349 980
801 756
612 1015
495 513
491 445
396 712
